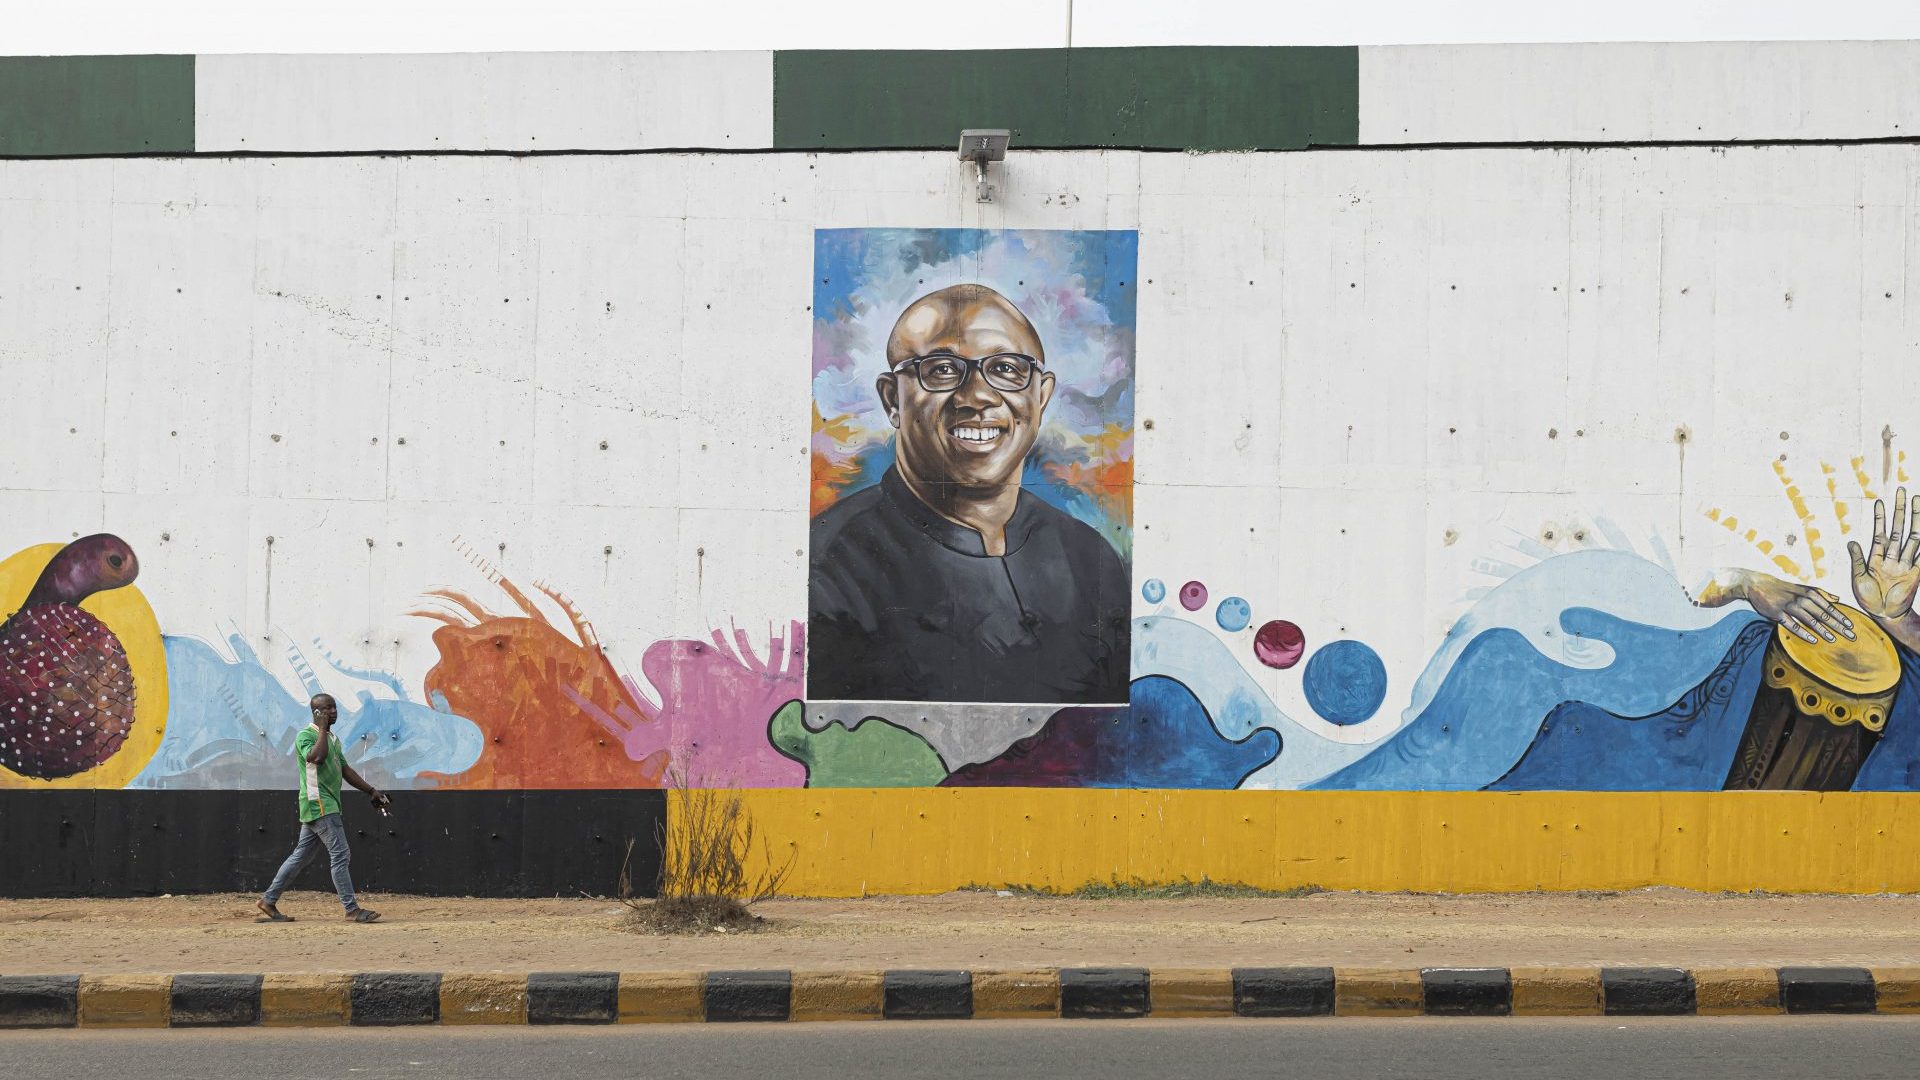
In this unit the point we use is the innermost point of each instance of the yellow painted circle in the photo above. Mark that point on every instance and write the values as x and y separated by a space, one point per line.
1863 667
127 614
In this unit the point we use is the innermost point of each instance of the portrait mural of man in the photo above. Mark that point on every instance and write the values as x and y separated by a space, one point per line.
973 508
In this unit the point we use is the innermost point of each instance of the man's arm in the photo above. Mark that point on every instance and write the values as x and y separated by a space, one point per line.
316 749
1905 630
1805 610
351 777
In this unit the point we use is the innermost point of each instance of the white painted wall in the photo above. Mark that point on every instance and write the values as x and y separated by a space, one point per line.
1366 373
484 101
1633 91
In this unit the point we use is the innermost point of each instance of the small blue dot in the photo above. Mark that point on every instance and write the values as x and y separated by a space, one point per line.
1154 590
1233 614
1345 682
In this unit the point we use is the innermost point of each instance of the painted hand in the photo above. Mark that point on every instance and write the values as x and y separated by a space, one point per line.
1886 577
1807 612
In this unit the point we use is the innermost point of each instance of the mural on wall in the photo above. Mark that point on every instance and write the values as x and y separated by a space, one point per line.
233 721
1592 669
83 681
973 619
972 466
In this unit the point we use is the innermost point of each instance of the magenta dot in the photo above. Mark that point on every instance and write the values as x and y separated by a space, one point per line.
1278 644
1193 596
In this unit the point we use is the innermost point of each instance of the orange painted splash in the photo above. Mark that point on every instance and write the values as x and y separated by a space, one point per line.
535 692
1107 475
836 459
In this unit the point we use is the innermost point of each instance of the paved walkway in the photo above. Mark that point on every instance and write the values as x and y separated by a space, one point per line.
1657 927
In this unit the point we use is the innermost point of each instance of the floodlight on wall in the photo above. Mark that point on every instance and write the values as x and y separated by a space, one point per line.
981 145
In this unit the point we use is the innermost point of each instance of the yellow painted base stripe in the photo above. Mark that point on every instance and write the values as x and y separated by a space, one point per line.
1736 991
1557 991
484 998
1015 995
665 997
125 1001
1374 992
1897 989
838 995
305 1000
1190 992
867 841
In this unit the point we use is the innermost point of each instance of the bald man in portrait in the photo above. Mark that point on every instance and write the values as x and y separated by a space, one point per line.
947 581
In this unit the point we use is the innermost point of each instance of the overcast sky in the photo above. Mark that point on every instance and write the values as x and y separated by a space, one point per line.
187 26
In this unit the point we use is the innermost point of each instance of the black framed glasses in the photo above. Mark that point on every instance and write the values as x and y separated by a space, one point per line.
942 372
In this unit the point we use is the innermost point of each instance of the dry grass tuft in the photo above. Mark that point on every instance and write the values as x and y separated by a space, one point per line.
713 869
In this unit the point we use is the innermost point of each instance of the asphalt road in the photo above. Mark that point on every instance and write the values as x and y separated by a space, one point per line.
1857 1048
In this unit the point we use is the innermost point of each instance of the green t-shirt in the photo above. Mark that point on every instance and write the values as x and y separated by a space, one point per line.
319 784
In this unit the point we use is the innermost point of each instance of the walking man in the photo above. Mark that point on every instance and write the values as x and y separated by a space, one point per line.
321 767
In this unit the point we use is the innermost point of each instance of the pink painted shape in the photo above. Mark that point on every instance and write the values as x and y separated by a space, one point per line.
716 699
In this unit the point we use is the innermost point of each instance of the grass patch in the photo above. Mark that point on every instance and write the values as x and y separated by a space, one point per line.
1137 889
713 866
691 915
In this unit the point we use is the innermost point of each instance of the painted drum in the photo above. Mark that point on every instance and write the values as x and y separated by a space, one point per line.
1820 712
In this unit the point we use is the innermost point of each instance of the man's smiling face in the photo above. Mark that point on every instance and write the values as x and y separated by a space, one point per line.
977 435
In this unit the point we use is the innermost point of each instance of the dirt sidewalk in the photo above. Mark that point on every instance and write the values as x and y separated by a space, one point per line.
969 930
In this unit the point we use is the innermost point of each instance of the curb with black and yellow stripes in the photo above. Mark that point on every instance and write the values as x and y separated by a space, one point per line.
588 997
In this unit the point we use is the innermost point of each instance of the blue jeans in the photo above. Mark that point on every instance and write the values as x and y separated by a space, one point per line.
332 832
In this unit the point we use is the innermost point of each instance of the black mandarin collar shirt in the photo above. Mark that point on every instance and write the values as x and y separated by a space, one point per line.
904 605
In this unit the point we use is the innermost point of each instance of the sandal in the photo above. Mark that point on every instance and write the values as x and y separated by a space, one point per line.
363 915
270 913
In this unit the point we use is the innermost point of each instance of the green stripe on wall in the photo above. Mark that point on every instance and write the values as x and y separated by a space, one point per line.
53 105
1149 98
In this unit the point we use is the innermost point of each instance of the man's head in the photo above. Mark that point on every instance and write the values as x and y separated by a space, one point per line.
324 710
976 435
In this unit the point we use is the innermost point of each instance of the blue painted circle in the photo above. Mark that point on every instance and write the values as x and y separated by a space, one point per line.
1154 590
1345 682
1233 614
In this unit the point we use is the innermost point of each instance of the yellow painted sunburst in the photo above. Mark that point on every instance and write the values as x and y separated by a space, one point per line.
1894 468
127 614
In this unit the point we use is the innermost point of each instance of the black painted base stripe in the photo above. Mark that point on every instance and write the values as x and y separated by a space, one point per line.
1827 990
749 995
1104 993
215 1001
39 1001
138 842
1648 991
1291 991
1467 991
388 999
573 997
928 995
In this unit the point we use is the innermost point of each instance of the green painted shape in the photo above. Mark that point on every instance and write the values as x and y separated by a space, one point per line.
58 105
875 754
1199 98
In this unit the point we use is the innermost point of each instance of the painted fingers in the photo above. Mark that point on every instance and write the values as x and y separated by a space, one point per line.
1815 613
1907 551
1899 540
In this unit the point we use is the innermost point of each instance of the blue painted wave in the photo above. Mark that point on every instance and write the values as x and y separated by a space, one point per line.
231 724
1688 746
1488 711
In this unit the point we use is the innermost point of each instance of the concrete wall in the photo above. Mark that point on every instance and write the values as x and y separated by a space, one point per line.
1491 419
